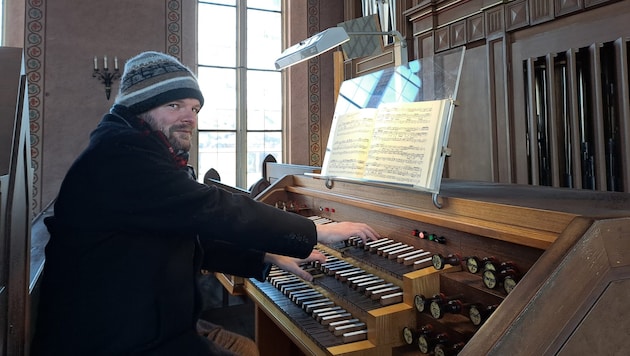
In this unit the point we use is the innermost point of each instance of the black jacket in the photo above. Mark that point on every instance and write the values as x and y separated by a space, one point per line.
129 236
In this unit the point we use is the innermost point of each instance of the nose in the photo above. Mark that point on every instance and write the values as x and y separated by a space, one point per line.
190 116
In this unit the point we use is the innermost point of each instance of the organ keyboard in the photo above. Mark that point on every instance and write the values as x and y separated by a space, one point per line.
498 269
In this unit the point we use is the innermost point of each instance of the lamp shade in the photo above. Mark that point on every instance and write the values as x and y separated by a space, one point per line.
312 46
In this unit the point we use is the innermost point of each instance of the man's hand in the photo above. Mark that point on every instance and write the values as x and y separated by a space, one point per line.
292 264
333 232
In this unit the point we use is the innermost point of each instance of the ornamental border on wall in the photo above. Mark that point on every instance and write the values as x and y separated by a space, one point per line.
174 28
34 62
314 95
35 43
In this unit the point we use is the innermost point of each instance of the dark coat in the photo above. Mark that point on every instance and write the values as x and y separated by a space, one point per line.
129 236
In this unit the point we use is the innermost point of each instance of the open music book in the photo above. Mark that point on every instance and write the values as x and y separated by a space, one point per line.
400 143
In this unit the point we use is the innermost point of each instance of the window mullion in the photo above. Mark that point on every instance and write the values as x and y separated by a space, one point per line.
241 93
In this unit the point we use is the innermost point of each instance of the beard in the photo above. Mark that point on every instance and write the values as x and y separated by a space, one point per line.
179 135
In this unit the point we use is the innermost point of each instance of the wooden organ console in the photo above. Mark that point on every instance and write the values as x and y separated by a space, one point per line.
497 270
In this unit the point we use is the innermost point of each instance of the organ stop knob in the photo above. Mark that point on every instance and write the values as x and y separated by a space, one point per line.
440 305
478 314
427 342
506 274
409 335
420 302
448 350
440 261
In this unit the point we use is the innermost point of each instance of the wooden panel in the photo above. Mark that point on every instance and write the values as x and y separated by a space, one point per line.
351 10
442 41
592 337
458 34
232 284
532 123
451 11
499 118
338 73
426 46
567 293
598 117
9 95
495 20
471 132
266 331
10 59
540 11
554 120
374 63
592 3
574 116
4 265
475 28
422 24
516 15
15 207
623 92
565 7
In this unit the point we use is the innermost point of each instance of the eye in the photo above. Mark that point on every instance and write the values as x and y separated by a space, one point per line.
196 110
173 105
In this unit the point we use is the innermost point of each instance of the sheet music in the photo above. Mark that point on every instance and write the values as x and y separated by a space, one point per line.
403 142
396 143
350 144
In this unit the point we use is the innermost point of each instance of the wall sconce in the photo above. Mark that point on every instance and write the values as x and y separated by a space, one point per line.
104 75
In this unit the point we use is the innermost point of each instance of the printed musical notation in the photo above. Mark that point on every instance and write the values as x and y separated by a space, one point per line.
396 143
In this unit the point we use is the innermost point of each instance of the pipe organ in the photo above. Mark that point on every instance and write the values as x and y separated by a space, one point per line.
497 269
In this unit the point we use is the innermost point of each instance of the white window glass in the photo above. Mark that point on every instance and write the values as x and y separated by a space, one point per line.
1 22
218 150
217 35
259 145
264 101
223 2
274 5
218 86
264 42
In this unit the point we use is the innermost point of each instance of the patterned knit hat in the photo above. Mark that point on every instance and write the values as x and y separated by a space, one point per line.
152 79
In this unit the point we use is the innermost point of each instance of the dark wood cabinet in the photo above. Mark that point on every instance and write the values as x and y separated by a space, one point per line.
15 204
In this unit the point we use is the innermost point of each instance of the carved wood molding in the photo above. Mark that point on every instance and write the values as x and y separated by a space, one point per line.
454 23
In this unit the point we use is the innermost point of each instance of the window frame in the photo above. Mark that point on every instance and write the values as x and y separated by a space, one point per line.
241 109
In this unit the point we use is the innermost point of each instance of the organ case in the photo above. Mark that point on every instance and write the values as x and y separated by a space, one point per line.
570 249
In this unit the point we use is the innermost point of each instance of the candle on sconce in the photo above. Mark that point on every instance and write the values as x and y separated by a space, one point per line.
106 76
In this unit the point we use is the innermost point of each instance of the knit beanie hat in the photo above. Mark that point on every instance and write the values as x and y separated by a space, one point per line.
151 79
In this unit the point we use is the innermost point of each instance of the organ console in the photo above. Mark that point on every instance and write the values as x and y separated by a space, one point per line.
562 257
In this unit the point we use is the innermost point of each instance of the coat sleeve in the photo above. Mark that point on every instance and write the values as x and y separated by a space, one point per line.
255 225
227 258
141 189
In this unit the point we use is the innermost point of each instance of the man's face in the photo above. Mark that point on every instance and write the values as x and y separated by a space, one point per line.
177 120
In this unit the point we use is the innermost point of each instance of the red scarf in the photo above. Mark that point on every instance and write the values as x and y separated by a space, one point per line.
180 157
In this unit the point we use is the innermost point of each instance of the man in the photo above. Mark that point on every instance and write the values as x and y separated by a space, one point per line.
131 230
